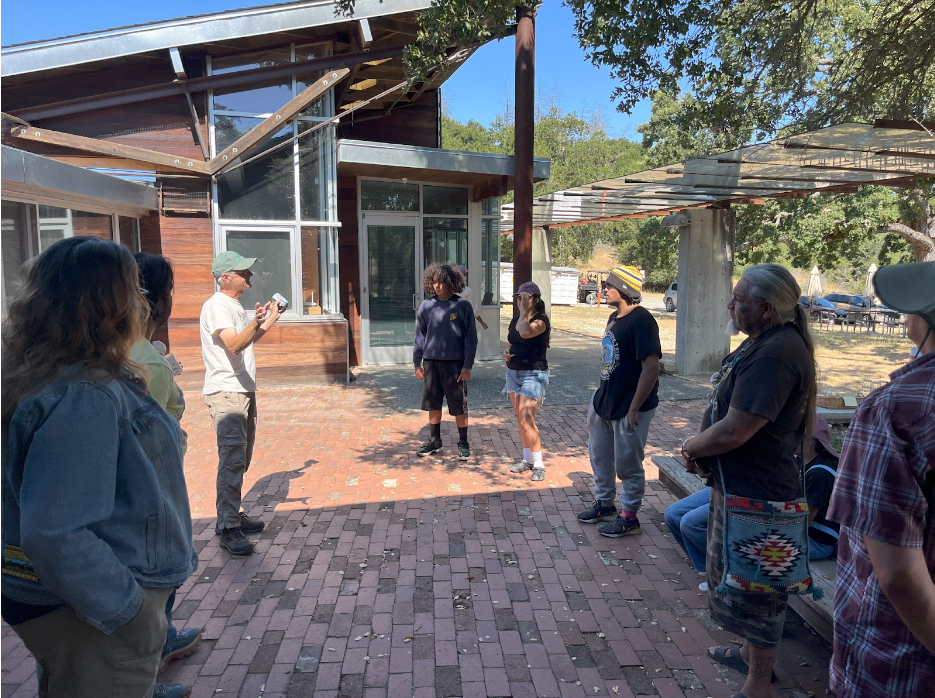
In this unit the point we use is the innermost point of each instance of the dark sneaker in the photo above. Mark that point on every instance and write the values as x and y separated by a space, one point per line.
250 525
621 526
174 690
597 513
520 467
235 542
538 474
185 643
464 451
429 447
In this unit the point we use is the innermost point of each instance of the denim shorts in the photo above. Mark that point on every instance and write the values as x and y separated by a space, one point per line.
529 383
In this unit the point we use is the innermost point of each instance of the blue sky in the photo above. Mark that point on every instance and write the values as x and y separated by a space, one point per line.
478 90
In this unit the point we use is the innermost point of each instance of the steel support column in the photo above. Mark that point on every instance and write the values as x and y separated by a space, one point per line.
523 145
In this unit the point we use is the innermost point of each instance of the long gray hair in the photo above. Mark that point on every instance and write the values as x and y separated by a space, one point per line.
774 284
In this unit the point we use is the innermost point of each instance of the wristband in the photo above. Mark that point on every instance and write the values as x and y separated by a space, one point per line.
684 452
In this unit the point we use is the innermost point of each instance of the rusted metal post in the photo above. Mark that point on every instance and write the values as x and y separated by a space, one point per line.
523 145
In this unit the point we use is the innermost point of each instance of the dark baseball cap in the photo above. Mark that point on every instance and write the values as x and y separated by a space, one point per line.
530 288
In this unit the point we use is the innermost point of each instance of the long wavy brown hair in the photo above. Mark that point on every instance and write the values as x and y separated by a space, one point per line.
81 305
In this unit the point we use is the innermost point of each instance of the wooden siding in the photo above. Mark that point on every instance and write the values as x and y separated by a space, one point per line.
349 262
411 125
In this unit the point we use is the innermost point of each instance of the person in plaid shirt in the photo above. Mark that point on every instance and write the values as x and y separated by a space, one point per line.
884 499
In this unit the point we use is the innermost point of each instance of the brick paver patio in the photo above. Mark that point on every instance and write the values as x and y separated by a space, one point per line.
381 574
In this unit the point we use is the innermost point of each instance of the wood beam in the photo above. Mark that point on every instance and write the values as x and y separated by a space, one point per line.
179 87
347 85
93 145
276 120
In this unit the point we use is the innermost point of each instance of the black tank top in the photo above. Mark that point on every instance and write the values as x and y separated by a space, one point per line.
529 354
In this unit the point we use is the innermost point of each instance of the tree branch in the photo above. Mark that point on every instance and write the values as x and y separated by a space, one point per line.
923 245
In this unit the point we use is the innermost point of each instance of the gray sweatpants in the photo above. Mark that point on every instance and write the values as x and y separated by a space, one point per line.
616 451
234 417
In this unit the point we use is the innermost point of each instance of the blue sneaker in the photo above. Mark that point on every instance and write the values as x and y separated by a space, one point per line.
183 645
173 690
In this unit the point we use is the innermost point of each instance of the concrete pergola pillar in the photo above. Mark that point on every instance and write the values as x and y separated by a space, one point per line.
705 284
542 265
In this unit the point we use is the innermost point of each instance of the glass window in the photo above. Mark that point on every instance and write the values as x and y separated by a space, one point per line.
249 61
56 223
17 245
445 240
391 280
311 272
490 207
311 190
272 272
306 53
452 201
388 196
264 98
490 261
263 189
130 233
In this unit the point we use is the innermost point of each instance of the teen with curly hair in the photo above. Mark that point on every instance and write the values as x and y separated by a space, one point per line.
444 353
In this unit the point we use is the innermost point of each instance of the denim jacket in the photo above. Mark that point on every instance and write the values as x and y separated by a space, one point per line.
95 505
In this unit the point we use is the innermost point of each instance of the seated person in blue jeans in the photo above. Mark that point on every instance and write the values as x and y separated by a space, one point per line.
687 519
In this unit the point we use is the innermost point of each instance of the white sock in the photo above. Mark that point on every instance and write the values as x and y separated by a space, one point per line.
537 460
527 455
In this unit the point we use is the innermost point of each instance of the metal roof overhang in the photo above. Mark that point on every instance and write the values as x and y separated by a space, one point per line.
486 171
188 31
34 175
833 159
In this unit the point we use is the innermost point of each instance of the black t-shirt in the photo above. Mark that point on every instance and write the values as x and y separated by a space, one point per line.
529 354
770 380
627 341
818 486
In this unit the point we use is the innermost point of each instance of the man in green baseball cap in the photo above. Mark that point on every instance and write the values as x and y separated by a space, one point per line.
884 601
228 333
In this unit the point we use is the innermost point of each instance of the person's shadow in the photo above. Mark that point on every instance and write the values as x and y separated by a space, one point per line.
273 489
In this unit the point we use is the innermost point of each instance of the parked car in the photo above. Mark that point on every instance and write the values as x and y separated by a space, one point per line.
816 306
670 298
851 303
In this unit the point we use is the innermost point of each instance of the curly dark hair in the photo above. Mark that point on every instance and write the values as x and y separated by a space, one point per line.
446 274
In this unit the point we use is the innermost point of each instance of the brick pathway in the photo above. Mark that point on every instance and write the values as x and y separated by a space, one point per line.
382 574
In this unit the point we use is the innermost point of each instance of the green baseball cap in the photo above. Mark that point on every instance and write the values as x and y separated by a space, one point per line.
231 261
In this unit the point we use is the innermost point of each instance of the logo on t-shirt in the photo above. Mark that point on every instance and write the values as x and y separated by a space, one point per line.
453 317
610 355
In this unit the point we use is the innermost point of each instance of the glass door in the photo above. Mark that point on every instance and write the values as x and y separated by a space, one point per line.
391 294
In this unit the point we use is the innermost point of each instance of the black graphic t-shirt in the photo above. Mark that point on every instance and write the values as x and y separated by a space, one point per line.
627 341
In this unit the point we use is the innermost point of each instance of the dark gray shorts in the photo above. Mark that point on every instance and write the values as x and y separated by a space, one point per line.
755 617
441 382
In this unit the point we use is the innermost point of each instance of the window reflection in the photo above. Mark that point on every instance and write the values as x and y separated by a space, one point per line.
263 189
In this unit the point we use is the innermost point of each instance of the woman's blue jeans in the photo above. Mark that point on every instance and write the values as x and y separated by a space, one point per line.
687 520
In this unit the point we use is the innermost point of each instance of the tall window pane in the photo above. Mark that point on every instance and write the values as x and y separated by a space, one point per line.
445 240
311 189
263 189
490 261
130 233
451 201
272 272
311 272
307 52
389 196
263 98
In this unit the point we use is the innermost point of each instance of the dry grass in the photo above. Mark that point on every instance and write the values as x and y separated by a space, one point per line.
848 363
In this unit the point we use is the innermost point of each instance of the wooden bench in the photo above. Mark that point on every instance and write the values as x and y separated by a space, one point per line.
819 614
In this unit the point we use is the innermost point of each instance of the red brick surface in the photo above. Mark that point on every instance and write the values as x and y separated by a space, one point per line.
383 574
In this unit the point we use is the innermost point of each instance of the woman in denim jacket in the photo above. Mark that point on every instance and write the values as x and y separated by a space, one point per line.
96 520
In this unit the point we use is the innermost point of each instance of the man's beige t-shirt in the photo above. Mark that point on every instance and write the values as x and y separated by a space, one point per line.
224 371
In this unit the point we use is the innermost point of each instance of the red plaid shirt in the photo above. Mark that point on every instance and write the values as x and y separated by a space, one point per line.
881 492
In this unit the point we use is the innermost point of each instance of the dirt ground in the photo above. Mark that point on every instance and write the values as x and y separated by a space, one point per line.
848 363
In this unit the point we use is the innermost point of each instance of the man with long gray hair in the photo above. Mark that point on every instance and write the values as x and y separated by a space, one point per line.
760 413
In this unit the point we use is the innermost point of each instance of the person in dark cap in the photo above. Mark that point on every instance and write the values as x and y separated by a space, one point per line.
884 501
623 405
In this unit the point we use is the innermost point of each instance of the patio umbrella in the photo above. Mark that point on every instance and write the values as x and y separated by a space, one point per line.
814 283
868 287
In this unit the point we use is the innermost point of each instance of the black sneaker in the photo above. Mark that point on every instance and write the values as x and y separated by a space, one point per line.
429 447
250 525
538 474
464 451
597 513
621 526
235 542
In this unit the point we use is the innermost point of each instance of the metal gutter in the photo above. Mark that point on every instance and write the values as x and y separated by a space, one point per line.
188 31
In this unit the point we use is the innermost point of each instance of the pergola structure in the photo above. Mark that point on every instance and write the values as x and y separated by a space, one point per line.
700 191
